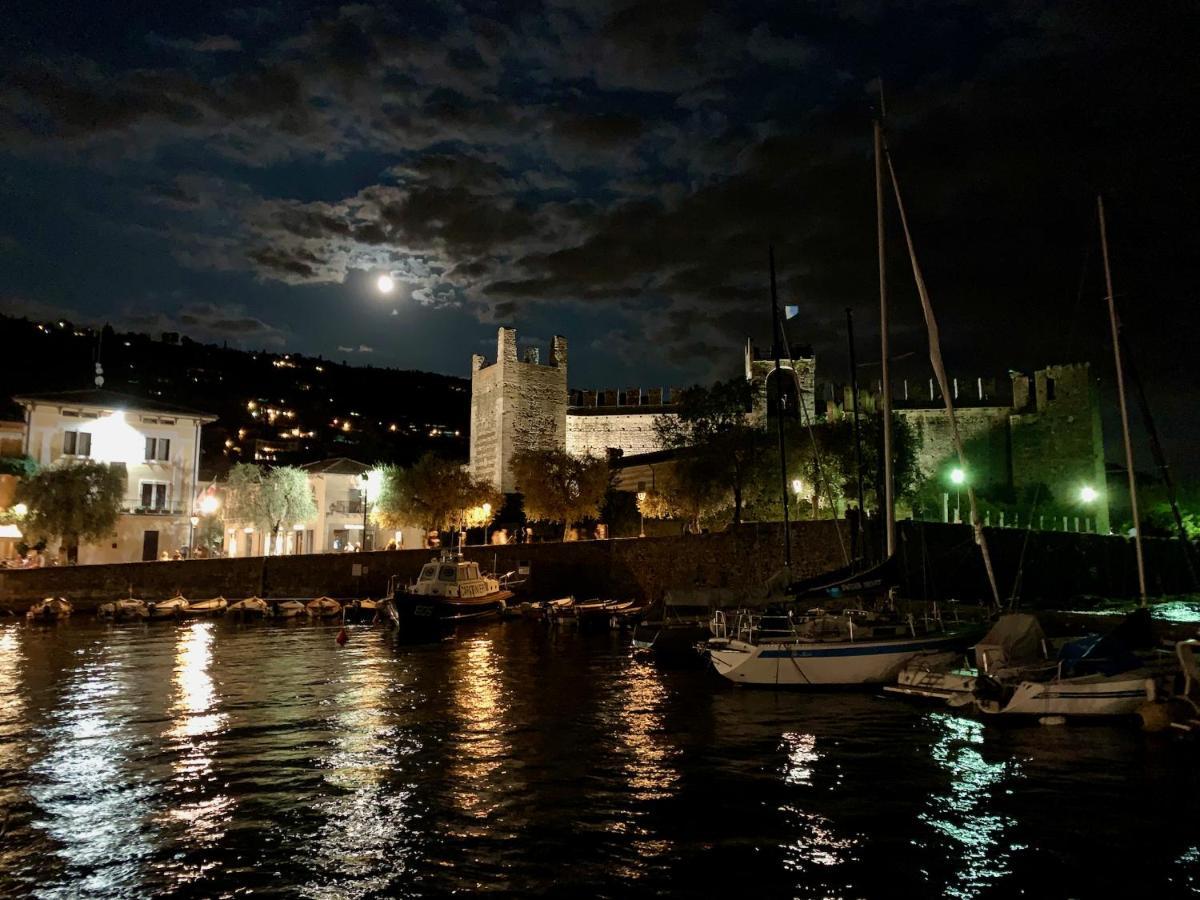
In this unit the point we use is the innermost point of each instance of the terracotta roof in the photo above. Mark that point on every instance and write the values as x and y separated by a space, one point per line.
338 465
103 399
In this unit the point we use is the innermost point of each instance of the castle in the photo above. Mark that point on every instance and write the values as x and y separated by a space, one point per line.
521 404
1039 429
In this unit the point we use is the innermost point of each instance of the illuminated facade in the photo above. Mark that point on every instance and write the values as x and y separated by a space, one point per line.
156 445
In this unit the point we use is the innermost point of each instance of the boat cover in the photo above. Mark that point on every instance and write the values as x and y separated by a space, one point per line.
1016 638
849 580
1111 653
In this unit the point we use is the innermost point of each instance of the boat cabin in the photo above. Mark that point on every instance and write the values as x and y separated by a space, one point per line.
450 577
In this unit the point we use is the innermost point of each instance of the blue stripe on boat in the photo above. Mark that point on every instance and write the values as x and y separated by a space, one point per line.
868 650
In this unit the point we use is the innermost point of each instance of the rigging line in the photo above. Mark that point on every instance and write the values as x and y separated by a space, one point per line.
1019 577
823 481
935 357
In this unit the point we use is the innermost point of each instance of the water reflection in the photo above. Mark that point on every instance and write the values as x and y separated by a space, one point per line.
91 802
196 724
816 841
366 840
964 813
477 784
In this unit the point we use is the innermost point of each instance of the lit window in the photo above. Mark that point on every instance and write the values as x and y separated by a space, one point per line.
154 495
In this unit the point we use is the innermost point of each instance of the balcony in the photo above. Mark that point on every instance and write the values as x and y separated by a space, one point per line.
346 508
134 507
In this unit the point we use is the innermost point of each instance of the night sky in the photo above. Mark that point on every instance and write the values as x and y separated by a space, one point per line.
612 172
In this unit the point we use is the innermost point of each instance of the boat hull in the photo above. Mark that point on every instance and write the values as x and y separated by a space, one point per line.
423 611
825 663
1111 697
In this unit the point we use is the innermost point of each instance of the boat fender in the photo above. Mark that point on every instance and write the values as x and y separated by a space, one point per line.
1154 717
1052 720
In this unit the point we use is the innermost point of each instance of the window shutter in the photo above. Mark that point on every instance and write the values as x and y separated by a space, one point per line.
69 442
149 448
164 449
85 443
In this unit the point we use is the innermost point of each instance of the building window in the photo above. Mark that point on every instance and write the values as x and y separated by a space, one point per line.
1050 391
154 495
77 443
158 449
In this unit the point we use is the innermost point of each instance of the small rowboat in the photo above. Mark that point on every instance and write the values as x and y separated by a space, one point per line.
561 611
250 608
126 610
323 608
174 608
361 611
214 606
50 609
287 609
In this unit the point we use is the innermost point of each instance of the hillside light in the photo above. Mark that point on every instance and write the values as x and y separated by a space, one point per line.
385 283
1088 494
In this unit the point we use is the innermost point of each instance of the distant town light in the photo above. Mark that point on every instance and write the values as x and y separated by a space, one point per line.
1088 494
958 476
386 284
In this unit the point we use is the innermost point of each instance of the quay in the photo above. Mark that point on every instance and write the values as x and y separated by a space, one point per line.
939 561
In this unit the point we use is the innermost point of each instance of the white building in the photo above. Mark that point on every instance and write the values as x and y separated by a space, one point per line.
156 444
338 491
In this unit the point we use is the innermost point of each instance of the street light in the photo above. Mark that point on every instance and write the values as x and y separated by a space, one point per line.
365 476
209 504
641 496
193 521
487 518
1088 494
958 477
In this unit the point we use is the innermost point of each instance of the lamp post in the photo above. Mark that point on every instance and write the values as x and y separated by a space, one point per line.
487 518
1087 496
365 482
641 496
958 477
193 521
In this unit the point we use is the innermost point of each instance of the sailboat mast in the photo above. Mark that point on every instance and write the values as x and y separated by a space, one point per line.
1116 339
858 463
889 503
783 479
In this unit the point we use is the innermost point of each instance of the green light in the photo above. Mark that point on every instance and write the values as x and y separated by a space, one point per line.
1088 494
958 476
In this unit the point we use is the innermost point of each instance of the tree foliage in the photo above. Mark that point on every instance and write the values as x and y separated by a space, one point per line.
433 493
75 502
721 446
19 466
558 487
269 498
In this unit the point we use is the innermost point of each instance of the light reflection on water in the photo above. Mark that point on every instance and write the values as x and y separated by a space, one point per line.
91 800
208 759
965 814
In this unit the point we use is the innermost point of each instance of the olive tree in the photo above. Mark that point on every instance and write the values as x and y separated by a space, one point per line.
75 502
269 498
558 487
434 493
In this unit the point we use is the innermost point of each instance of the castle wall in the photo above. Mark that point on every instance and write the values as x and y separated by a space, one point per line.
595 434
984 432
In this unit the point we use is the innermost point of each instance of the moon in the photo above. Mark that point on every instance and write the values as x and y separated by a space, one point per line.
386 284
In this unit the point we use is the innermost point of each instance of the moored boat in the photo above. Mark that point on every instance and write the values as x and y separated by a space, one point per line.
214 606
287 609
363 611
128 609
49 609
323 608
671 630
174 608
250 608
448 590
560 611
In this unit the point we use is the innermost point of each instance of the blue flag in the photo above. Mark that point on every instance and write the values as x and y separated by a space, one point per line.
790 312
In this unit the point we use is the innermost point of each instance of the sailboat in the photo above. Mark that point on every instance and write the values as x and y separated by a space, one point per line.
861 635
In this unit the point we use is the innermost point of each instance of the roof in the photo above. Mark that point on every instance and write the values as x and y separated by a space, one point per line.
103 399
338 465
651 458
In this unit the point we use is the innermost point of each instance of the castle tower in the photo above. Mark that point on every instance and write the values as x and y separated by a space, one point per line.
516 406
1057 439
798 371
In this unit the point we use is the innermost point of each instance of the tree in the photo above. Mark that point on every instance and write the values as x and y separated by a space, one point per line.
691 500
434 493
721 446
75 502
269 498
558 487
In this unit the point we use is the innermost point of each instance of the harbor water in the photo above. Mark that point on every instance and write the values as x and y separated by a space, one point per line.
210 759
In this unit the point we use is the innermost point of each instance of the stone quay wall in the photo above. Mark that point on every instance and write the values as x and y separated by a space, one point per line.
940 561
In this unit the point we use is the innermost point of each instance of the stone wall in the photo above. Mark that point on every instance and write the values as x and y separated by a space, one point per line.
801 370
984 432
515 406
593 434
941 561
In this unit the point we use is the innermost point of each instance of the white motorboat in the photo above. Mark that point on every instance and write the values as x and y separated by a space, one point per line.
323 608
128 609
449 590
823 649
250 608
49 609
174 608
214 606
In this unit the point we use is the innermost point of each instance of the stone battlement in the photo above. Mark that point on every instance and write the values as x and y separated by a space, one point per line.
633 398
